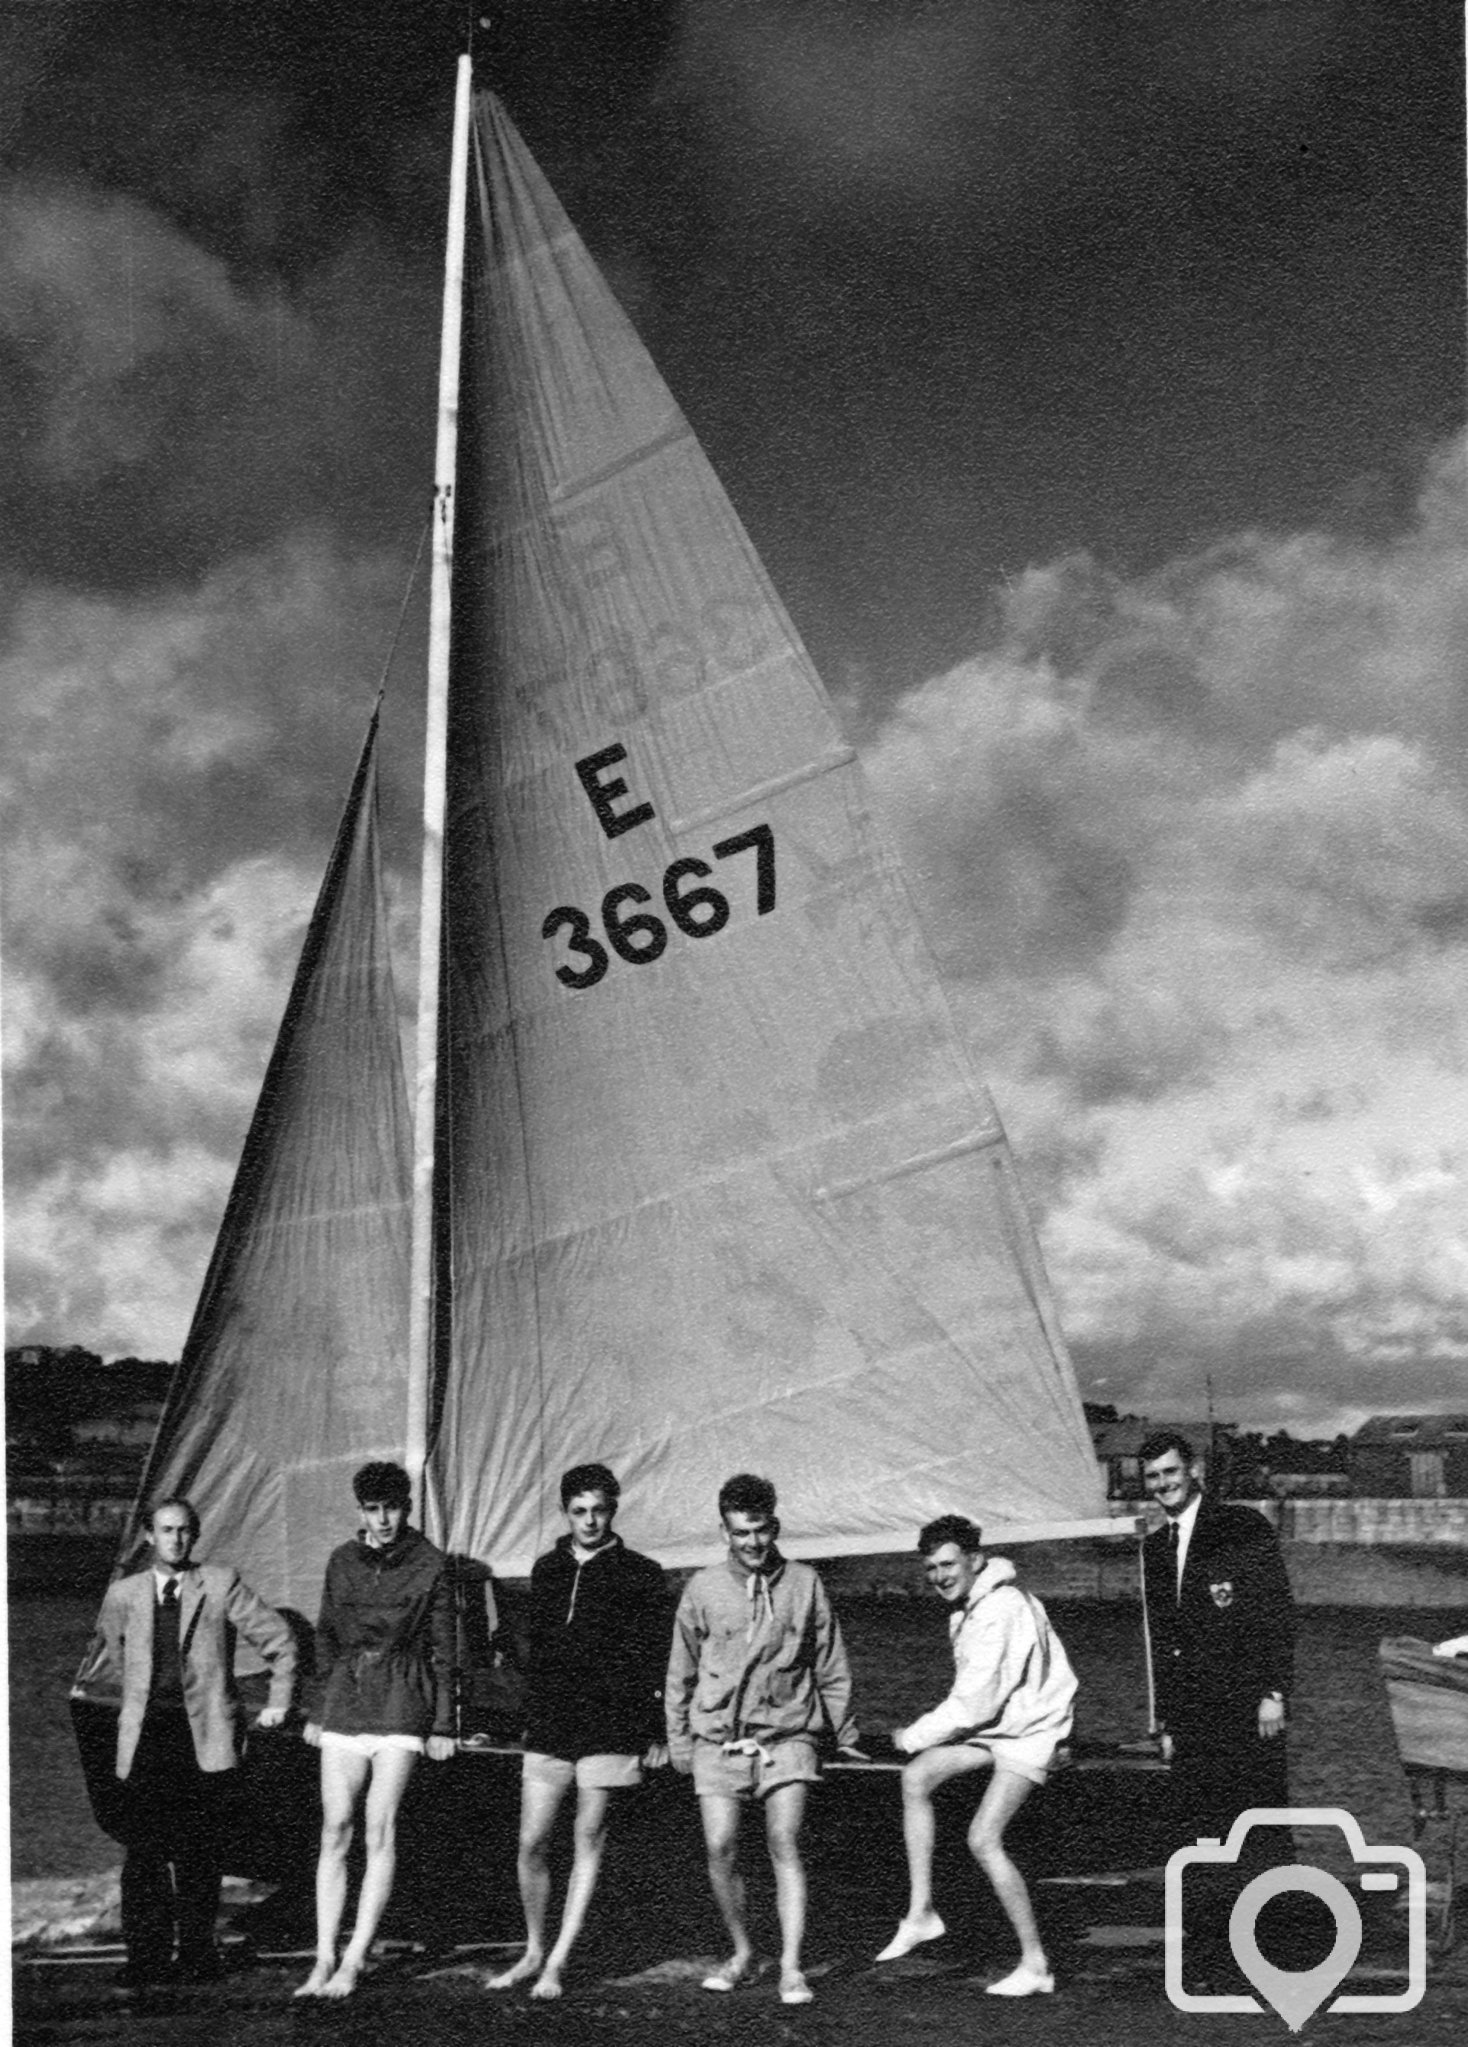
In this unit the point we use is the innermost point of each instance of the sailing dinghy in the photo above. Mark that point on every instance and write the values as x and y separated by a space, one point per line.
702 1178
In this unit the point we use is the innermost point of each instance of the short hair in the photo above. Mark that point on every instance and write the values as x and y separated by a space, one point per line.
950 1528
1161 1441
155 1508
746 1494
590 1478
383 1485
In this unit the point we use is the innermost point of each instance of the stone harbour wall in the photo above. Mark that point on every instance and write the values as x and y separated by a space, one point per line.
1337 1552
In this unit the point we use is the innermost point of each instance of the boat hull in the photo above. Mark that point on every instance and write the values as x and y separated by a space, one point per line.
457 1840
1428 1697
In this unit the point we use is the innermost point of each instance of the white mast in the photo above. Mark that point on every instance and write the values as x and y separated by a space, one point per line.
420 1325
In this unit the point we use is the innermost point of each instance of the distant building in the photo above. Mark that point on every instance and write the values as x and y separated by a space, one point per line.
1411 1457
133 1426
1118 1444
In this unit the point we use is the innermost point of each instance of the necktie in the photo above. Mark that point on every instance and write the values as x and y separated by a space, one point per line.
170 1592
1172 1547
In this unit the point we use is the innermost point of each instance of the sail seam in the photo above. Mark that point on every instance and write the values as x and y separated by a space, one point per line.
761 792
271 1224
979 1140
779 1163
567 493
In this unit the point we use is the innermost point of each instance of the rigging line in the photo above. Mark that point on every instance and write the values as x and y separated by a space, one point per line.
397 632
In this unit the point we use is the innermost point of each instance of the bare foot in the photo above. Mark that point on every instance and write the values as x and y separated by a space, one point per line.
316 1982
344 1982
528 1965
730 1974
548 1984
912 1933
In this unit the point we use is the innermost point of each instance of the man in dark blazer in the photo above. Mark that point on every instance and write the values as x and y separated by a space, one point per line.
1220 1620
170 1634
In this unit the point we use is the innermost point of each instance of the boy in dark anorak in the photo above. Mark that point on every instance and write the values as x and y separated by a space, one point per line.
598 1636
757 1675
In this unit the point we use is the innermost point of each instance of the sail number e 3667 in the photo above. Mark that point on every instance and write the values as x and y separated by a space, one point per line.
640 936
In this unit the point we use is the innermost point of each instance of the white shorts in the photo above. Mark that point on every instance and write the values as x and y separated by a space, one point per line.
1027 1755
369 1744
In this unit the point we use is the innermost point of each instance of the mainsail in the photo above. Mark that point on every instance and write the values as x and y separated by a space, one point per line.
292 1374
720 1190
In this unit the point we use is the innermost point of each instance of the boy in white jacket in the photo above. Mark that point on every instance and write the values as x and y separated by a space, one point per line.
1009 1709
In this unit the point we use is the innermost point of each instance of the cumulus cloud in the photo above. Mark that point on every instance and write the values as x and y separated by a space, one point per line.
1193 854
176 766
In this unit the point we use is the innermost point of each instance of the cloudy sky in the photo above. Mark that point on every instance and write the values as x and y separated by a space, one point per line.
1090 376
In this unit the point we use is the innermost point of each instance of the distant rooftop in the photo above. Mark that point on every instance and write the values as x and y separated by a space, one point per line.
1413 1431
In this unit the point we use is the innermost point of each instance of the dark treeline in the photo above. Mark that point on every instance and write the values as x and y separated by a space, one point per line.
48 1390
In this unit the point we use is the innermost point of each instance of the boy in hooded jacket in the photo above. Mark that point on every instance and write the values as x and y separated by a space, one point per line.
1008 1711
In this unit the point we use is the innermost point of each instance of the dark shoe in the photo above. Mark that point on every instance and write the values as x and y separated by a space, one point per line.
207 1967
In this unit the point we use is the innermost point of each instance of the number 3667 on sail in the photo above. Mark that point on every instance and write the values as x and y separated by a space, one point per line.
640 936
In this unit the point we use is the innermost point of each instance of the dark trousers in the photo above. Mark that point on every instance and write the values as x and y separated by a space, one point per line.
171 1870
1213 1783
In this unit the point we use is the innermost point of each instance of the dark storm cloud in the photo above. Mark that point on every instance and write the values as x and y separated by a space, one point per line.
1152 276
159 413
943 295
221 303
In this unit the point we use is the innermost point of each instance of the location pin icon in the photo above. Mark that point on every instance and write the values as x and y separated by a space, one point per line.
1295 1993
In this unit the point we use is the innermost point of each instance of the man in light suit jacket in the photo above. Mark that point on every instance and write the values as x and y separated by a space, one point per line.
170 1634
1221 1623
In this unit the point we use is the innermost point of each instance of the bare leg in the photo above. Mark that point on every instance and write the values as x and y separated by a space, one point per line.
590 1838
721 1841
391 1769
1003 1796
539 1804
920 1779
784 1813
343 1773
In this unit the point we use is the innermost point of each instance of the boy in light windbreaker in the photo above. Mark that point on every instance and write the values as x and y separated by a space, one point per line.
1008 1711
757 1674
